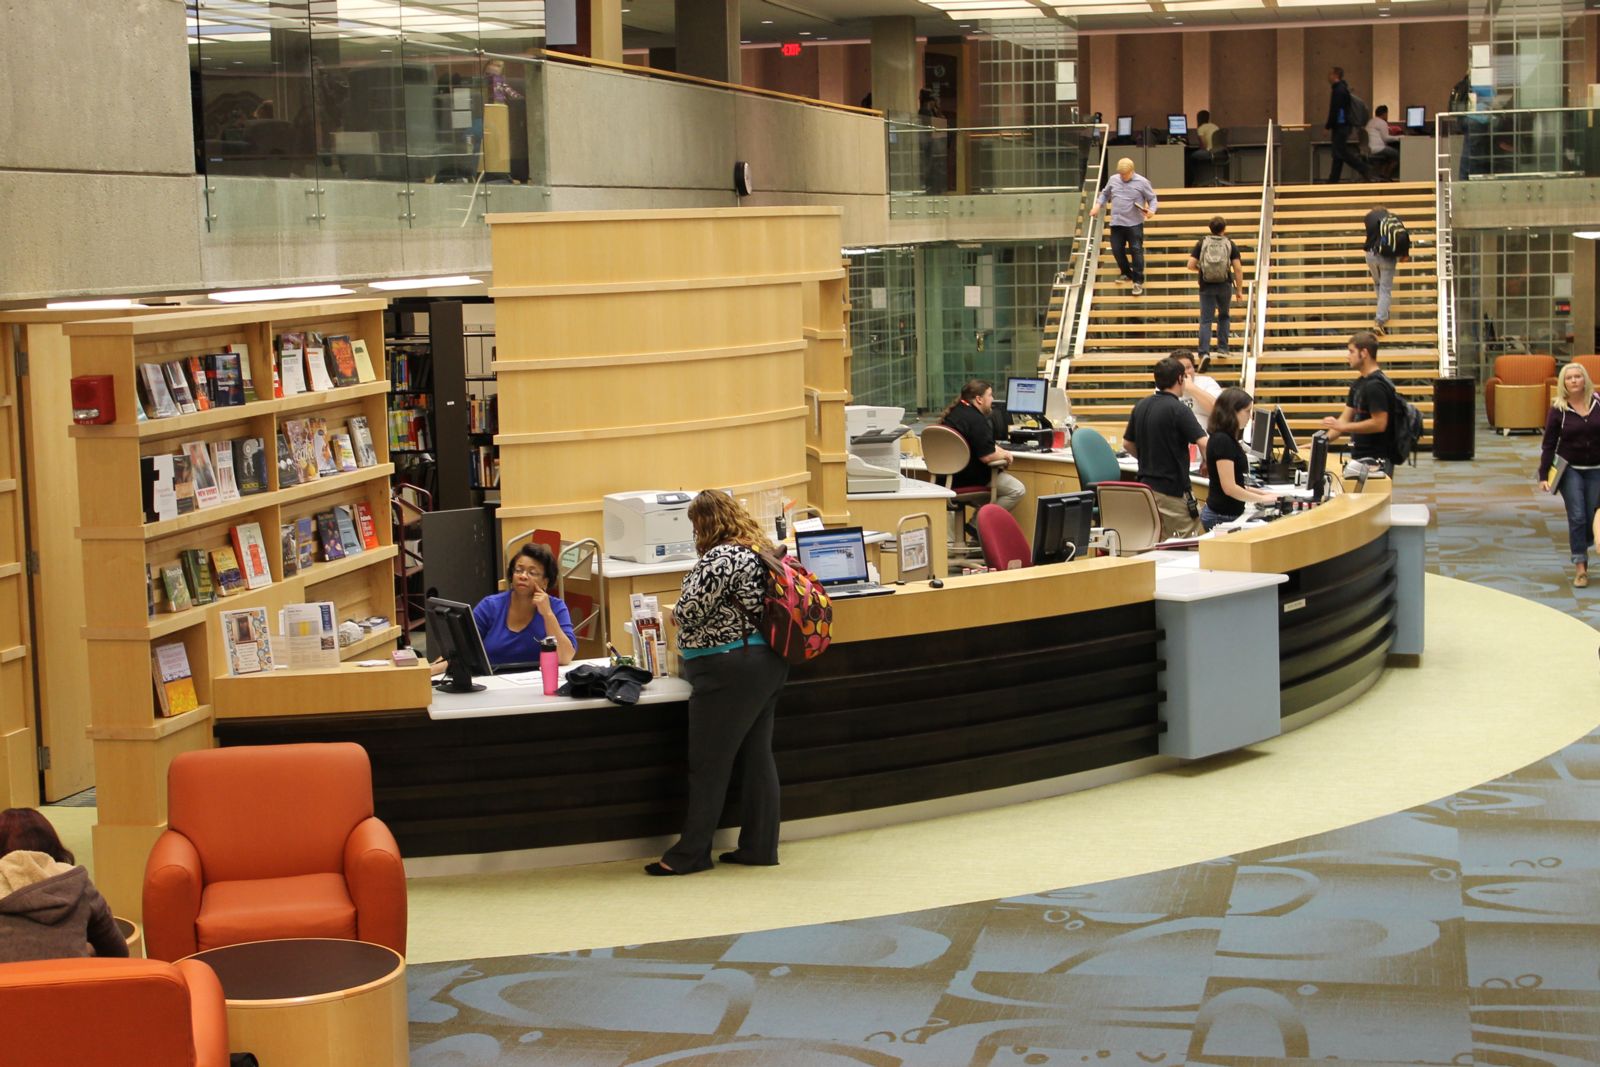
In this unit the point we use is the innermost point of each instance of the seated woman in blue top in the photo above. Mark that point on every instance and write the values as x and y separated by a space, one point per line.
513 622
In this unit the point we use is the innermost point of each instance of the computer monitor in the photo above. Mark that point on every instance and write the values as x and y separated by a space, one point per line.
456 632
837 556
1124 125
1317 465
1257 435
1061 526
1026 396
1280 422
1177 125
1416 118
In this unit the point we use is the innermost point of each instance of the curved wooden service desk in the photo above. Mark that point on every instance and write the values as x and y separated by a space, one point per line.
996 688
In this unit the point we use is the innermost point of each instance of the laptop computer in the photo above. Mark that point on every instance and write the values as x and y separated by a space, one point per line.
838 558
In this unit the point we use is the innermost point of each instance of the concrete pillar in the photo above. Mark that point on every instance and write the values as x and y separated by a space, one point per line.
896 70
1386 70
832 80
708 39
605 30
1196 73
1103 76
1583 295
1291 77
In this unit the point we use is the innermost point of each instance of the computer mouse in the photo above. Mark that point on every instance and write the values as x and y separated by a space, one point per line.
935 583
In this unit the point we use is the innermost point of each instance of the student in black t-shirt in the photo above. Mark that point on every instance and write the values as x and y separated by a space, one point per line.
1366 410
968 415
1227 462
1159 433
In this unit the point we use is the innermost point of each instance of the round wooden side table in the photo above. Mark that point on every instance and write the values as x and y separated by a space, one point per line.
133 935
314 1002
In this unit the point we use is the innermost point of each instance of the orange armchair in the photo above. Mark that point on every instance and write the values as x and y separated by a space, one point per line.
1519 370
270 842
1590 364
113 1012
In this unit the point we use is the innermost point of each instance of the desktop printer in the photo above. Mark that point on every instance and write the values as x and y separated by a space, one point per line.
649 527
874 436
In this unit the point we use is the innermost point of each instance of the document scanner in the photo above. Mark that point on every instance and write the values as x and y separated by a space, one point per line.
648 527
873 433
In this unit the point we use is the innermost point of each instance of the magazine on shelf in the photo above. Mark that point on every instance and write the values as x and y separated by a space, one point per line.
196 366
246 381
160 494
361 441
174 680
288 469
289 550
227 385
342 360
198 574
305 540
178 382
365 525
183 483
162 406
322 447
328 535
250 465
344 453
206 493
229 579
310 635
178 598
317 364
244 635
222 461
349 537
364 371
292 363
302 449
251 549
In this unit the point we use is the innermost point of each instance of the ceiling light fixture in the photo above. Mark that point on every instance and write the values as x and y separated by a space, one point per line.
288 292
424 283
1586 235
104 305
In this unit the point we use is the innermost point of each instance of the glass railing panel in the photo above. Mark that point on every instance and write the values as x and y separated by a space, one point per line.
253 88
926 158
1531 144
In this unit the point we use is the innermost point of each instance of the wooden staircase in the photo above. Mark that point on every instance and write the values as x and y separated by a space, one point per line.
1126 334
1320 293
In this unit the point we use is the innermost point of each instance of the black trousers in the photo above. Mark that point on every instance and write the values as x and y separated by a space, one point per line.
731 709
1343 153
1127 248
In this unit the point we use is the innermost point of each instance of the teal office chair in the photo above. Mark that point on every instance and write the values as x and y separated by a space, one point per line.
1095 460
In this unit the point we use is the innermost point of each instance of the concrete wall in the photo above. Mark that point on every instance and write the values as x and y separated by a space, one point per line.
1349 47
1244 77
1433 56
1149 79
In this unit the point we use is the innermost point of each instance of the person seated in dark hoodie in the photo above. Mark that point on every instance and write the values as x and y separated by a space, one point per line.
48 907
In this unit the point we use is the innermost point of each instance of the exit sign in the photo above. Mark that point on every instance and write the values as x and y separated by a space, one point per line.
790 48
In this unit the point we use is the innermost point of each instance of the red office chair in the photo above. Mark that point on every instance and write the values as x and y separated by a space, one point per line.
1130 509
1004 547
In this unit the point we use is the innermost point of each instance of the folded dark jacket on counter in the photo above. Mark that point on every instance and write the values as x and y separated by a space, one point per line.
620 685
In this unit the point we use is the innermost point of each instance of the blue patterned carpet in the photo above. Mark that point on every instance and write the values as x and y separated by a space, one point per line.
1465 931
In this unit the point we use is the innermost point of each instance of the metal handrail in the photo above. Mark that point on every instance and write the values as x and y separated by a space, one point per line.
1085 252
1443 248
1256 305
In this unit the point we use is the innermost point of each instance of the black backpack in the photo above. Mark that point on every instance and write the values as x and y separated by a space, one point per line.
1405 424
1358 113
1394 240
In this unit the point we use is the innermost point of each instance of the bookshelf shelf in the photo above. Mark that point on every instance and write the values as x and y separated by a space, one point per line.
134 743
15 652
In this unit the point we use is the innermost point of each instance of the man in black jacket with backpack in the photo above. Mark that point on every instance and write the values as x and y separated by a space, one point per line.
1387 245
1341 118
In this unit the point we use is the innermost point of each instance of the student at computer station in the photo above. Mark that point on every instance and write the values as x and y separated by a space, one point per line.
968 415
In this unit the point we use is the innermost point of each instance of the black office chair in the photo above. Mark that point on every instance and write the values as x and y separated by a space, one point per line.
1219 162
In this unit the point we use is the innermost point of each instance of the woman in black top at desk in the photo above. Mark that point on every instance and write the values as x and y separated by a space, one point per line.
1226 460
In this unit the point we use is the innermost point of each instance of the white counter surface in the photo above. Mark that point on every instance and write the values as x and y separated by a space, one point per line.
910 489
503 696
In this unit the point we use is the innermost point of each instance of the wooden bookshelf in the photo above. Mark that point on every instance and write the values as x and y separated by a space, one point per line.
19 773
133 744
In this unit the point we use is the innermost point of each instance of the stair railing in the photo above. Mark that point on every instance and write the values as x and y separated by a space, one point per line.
1080 272
1255 324
1444 261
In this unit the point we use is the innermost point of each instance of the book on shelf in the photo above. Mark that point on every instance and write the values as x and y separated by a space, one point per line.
292 363
175 692
365 525
364 371
206 492
222 461
138 405
302 448
349 537
250 465
178 382
155 387
196 366
247 382
178 598
227 382
317 377
342 360
288 467
310 635
305 540
149 591
344 453
197 572
229 579
322 447
183 483
361 441
244 635
251 548
160 493
328 535
289 550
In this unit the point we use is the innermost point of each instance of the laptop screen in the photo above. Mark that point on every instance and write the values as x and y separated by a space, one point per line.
834 556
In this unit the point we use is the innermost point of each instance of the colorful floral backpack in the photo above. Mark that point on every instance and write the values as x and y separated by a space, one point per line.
796 614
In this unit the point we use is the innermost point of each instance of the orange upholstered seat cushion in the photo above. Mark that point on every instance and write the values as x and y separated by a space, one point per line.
304 905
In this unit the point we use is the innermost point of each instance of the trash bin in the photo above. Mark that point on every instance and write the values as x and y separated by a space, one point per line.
1454 410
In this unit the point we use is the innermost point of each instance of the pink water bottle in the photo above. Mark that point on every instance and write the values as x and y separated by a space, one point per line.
548 666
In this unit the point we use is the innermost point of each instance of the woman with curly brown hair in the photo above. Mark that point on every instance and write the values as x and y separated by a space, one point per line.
736 678
48 907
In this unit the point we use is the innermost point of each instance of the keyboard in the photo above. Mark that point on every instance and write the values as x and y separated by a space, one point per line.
859 589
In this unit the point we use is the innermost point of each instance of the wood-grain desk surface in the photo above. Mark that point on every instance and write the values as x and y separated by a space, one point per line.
1341 525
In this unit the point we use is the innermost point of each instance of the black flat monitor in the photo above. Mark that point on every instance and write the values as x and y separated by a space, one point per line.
451 624
1280 422
1124 125
1026 396
1317 465
1416 118
1062 526
1177 125
1257 435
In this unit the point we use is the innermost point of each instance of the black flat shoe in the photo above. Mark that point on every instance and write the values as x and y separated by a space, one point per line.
660 870
734 857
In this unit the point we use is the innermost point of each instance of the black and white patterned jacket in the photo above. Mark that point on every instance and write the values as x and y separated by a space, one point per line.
721 594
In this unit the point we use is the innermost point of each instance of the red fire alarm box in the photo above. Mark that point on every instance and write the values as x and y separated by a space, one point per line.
94 399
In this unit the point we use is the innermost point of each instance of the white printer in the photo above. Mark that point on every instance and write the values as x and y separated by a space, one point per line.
874 436
649 527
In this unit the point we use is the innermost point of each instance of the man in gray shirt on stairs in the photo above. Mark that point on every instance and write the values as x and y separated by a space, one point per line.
1133 200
